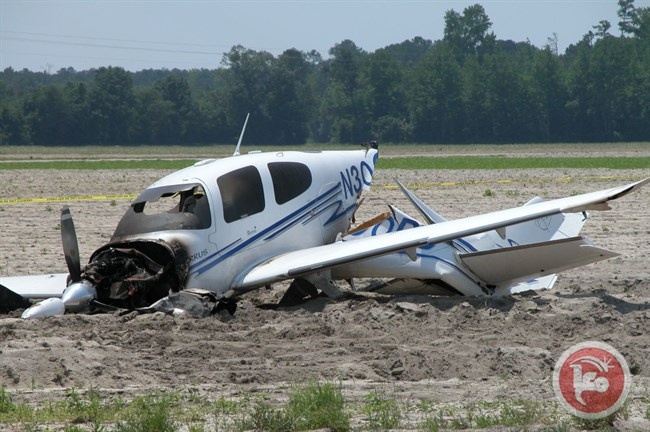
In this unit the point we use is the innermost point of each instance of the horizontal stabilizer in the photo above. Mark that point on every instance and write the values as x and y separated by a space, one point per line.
526 262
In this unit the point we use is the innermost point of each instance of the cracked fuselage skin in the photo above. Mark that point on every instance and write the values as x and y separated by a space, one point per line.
229 215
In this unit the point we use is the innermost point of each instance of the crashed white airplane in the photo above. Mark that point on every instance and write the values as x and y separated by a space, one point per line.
223 227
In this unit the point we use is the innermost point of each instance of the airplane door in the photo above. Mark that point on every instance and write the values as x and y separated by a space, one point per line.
242 213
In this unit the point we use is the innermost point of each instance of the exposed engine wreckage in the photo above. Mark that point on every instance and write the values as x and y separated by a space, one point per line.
136 274
147 277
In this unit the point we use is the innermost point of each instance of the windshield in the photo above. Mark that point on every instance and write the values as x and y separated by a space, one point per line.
165 208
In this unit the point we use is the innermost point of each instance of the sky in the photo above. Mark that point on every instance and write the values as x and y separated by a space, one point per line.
47 35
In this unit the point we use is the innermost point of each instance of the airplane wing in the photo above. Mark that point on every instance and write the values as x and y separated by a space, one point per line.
37 286
306 261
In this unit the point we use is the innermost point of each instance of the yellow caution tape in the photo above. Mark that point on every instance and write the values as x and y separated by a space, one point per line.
64 199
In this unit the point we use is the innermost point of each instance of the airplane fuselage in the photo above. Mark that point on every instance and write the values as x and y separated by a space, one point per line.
247 209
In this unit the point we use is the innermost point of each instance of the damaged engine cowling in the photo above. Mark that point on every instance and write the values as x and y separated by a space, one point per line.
137 273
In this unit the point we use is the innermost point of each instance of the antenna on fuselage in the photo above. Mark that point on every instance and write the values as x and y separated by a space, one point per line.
241 136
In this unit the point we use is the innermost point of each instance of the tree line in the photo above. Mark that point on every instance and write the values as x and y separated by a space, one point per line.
468 87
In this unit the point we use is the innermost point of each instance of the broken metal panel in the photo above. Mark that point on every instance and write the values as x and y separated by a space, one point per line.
193 302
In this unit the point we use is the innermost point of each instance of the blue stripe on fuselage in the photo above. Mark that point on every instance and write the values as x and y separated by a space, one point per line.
214 259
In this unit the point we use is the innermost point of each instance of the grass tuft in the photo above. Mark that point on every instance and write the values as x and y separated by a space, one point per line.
382 413
311 406
6 402
268 418
318 406
150 413
88 409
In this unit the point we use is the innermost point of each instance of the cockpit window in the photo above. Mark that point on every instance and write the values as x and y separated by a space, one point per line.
242 193
165 208
290 179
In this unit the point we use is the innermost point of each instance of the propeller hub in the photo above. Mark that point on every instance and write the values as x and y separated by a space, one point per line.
78 295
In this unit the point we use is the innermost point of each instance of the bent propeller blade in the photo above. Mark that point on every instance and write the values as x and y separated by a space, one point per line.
70 245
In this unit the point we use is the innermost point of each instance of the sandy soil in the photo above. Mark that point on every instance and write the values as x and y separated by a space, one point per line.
445 350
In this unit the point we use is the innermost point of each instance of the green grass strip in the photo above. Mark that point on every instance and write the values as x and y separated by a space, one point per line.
413 162
166 164
502 162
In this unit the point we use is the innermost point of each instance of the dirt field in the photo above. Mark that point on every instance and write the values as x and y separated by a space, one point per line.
448 351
